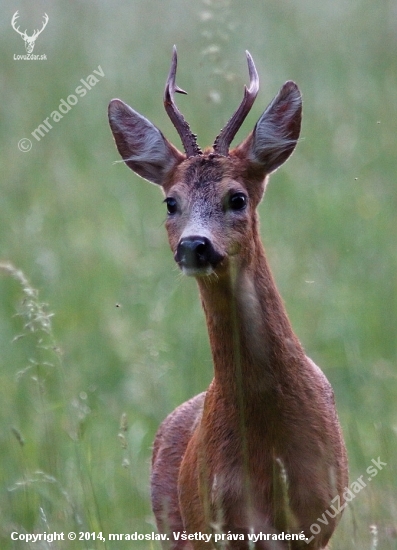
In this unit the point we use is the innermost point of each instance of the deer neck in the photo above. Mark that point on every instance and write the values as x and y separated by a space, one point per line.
254 348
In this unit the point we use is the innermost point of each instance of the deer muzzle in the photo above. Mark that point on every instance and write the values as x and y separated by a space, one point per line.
196 256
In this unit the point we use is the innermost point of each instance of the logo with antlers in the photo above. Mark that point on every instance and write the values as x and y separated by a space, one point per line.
29 40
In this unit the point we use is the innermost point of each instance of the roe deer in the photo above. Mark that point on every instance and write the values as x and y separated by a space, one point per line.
260 454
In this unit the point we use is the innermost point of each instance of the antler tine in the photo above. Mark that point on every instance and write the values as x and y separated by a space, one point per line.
13 23
226 135
188 138
45 17
39 31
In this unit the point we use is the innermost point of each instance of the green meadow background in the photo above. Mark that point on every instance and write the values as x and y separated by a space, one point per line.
100 336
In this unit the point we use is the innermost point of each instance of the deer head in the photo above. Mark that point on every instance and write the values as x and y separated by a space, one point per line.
29 40
211 196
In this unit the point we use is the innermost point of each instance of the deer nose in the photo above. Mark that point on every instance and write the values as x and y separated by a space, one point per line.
196 253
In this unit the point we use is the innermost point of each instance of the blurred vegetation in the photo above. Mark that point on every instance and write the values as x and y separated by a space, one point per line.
128 336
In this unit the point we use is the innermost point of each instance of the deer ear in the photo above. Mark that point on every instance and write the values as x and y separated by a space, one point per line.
141 145
276 133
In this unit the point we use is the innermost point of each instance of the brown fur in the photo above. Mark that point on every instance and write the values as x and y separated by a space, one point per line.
267 405
261 450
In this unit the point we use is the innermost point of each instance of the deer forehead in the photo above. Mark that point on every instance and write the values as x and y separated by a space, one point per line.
207 177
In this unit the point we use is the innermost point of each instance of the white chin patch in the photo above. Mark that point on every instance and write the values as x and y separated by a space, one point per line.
197 271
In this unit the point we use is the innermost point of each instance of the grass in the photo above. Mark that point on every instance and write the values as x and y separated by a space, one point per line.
86 380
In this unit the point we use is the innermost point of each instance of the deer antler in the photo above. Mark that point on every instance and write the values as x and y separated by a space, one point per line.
36 33
188 138
226 135
13 22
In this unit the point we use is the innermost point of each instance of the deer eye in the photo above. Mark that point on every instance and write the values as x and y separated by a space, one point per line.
238 201
172 205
